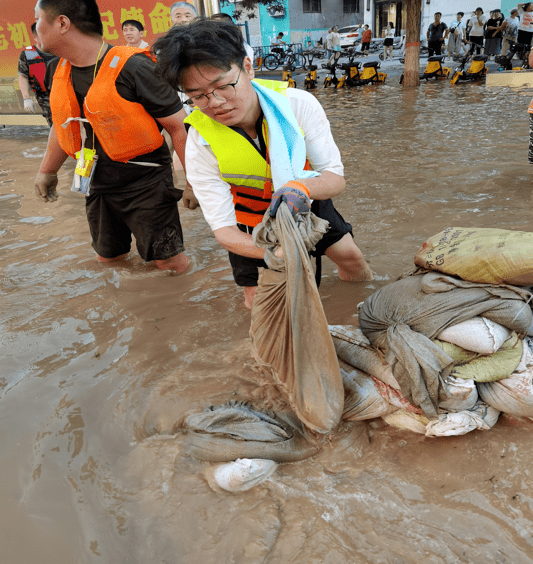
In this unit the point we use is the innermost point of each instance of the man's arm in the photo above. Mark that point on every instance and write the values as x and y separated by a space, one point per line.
326 186
176 129
238 242
46 180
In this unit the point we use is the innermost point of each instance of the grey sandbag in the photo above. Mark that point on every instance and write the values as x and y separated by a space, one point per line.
362 400
234 430
404 316
289 329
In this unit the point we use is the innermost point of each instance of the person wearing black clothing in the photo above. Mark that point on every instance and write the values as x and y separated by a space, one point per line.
493 34
435 35
125 198
31 70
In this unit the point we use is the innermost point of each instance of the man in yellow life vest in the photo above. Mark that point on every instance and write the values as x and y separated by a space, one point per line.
113 94
242 141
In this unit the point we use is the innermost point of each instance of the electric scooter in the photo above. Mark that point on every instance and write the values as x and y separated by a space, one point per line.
476 71
311 79
506 61
331 78
287 75
370 75
434 69
351 72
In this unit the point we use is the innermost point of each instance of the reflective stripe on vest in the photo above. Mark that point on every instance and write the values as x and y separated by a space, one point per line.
240 164
124 129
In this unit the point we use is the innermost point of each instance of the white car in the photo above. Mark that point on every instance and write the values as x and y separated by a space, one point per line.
350 35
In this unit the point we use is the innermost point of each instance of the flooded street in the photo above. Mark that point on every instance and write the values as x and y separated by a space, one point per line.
100 365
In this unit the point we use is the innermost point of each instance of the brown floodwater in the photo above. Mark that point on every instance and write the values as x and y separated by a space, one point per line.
100 365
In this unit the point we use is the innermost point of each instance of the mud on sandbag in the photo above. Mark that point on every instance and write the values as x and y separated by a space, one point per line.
495 256
223 433
404 316
289 331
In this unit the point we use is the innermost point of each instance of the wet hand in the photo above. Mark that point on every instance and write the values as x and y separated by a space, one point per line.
29 106
189 199
295 195
45 187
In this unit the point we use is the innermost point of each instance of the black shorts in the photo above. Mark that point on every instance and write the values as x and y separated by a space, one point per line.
149 213
245 269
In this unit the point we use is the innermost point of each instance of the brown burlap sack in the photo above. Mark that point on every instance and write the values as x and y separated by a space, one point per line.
289 330
494 256
404 316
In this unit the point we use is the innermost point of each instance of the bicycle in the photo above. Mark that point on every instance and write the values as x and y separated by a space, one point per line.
282 58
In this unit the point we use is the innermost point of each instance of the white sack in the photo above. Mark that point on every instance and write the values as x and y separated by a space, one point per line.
462 395
479 334
513 395
482 417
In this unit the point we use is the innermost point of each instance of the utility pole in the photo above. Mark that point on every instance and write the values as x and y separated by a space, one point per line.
411 75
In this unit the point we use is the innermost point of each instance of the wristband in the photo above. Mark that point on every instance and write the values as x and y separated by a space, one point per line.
298 186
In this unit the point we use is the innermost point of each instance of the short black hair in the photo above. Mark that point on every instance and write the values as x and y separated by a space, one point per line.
280 34
438 13
34 28
217 44
134 23
84 14
479 8
460 14
222 16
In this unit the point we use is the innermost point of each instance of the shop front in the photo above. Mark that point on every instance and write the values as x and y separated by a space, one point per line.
389 11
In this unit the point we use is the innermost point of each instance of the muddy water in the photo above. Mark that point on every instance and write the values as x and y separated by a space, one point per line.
99 366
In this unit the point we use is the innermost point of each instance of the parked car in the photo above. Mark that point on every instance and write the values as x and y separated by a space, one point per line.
350 35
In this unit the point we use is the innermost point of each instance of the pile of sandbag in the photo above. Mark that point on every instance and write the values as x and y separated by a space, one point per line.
450 353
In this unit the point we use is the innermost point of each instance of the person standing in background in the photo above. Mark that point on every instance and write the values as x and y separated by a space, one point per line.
435 35
510 30
493 34
456 35
335 43
133 32
388 41
31 70
182 13
525 27
477 30
366 38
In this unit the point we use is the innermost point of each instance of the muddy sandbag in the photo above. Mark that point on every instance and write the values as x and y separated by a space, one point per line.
485 368
513 395
362 400
481 416
404 316
495 256
478 334
289 330
223 433
355 349
462 395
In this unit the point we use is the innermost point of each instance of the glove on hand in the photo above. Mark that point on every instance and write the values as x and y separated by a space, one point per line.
45 186
295 195
29 106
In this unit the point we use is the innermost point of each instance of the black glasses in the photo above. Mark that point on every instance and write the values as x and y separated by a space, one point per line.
225 92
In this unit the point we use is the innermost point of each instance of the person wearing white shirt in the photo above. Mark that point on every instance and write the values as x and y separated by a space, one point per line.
525 27
477 31
456 35
217 76
133 32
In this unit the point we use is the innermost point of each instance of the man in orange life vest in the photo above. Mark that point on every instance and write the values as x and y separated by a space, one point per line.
229 144
31 70
123 107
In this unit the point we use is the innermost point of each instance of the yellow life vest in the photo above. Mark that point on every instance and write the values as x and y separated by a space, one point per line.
240 164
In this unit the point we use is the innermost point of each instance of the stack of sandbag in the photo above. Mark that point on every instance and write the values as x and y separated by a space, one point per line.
375 392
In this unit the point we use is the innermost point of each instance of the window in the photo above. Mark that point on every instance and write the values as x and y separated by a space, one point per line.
350 6
312 6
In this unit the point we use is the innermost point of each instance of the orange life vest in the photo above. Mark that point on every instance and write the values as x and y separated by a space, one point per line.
125 129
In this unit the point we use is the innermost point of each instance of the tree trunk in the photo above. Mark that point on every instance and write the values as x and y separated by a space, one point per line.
411 75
